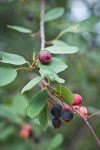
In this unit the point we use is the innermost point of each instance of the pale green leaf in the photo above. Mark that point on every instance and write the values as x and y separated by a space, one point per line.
61 49
31 84
12 58
10 114
49 73
37 103
65 93
59 43
20 29
20 103
56 141
7 75
43 118
82 26
54 14
60 65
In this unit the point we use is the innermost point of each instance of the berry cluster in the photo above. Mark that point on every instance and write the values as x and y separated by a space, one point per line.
65 113
59 112
80 109
26 132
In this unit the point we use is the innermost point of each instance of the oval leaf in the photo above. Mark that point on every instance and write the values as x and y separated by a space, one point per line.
61 50
56 141
49 73
31 84
12 58
20 29
7 75
59 43
43 118
60 65
37 103
65 93
54 14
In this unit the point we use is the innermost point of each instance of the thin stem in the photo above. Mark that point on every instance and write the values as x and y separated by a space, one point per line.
42 32
95 136
52 91
98 112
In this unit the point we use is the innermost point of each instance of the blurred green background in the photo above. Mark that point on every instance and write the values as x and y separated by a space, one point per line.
82 75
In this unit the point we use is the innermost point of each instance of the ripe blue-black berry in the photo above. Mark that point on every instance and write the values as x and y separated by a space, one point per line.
44 57
56 122
56 110
30 16
67 115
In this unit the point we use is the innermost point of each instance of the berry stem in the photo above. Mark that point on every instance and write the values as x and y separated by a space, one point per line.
52 91
98 112
42 32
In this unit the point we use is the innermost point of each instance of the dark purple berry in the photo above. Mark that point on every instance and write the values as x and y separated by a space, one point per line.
44 57
56 110
30 16
67 115
56 122
31 134
36 140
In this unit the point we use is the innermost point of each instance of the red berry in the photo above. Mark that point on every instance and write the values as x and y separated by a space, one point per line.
78 99
45 57
83 111
27 126
24 133
68 108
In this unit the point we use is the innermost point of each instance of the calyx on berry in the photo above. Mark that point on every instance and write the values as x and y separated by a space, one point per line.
67 115
44 57
78 99
56 110
56 122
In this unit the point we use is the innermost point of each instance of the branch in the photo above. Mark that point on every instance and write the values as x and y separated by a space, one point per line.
42 32
51 90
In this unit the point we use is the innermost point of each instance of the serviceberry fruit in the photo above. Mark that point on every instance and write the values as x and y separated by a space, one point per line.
24 133
30 16
68 108
44 57
83 111
78 99
56 122
56 110
67 115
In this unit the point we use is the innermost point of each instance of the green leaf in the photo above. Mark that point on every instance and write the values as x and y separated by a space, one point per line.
6 132
82 26
37 103
43 118
20 103
7 75
60 65
20 29
65 93
54 14
10 114
12 58
59 43
31 84
56 141
49 73
61 50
